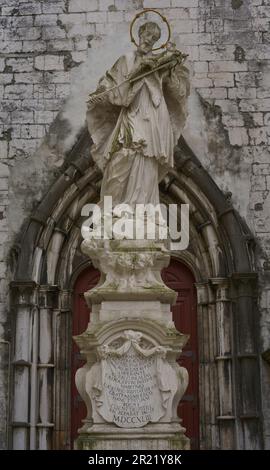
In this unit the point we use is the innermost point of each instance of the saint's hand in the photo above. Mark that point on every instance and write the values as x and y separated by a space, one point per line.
99 96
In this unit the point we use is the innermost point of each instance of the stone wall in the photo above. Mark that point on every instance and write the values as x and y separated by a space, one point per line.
51 56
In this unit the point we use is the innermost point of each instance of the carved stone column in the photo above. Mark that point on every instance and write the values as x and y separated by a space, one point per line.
33 364
62 324
224 360
208 377
131 383
24 301
246 359
48 300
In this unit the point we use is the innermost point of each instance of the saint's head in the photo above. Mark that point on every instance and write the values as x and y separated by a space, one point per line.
149 34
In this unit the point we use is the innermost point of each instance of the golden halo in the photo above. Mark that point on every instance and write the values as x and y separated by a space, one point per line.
146 10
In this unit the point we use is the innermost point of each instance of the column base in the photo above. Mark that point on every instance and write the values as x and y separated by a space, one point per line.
148 438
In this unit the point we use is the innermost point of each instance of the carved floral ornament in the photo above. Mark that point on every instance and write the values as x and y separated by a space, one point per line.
97 249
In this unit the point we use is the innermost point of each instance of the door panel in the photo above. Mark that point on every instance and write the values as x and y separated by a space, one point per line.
178 277
81 316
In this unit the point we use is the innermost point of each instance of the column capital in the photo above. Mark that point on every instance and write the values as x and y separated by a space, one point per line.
23 292
48 296
221 285
205 293
244 284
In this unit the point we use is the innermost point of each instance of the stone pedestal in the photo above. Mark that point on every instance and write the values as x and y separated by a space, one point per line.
131 383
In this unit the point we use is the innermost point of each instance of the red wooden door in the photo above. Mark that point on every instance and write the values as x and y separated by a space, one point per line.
85 281
178 277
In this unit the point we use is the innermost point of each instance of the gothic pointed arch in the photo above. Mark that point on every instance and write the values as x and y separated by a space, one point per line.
220 255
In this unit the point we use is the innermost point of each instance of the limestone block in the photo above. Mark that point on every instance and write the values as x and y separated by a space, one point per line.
238 136
185 3
82 5
49 62
53 6
105 4
46 20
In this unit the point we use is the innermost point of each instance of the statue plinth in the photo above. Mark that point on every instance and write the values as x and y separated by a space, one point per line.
131 383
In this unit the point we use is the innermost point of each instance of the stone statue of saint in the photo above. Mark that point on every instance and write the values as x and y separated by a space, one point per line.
135 119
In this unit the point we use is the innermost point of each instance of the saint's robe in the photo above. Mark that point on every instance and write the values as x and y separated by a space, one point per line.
136 128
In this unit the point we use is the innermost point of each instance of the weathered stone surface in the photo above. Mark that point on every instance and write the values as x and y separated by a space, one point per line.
131 269
134 381
34 32
132 386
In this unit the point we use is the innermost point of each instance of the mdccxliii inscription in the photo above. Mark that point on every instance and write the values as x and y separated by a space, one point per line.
130 393
130 382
